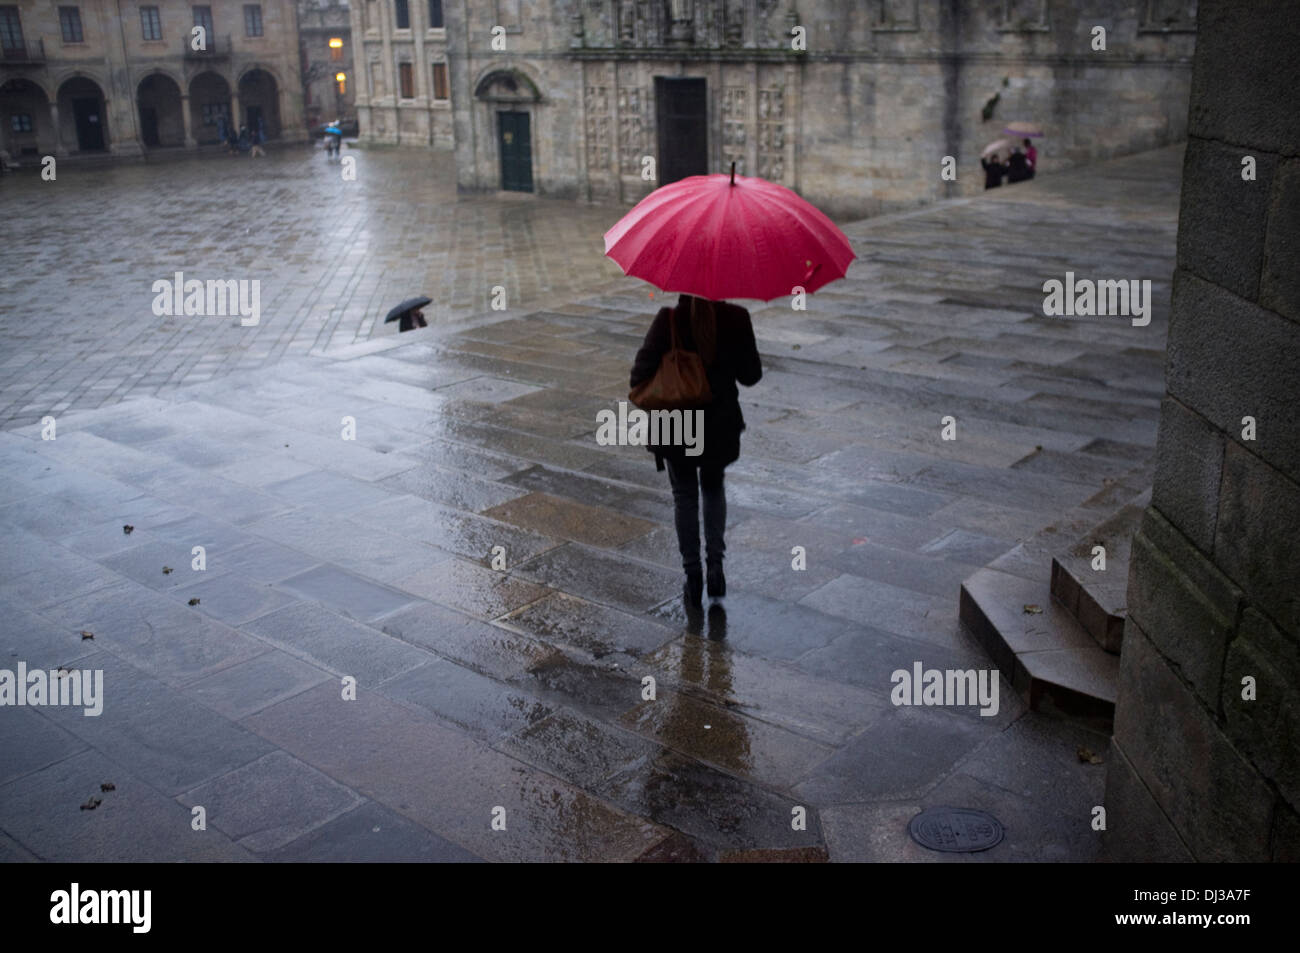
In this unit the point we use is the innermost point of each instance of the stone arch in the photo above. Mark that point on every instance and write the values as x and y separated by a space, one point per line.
210 115
26 124
162 120
258 89
58 79
507 84
83 113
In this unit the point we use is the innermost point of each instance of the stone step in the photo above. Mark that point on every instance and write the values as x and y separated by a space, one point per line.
1051 658
1051 661
1097 599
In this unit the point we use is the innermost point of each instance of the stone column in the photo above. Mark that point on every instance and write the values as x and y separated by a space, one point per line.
1204 766
386 27
235 118
423 92
188 121
59 148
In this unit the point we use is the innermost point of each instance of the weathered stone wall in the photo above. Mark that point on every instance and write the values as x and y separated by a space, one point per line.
1199 772
867 113
380 48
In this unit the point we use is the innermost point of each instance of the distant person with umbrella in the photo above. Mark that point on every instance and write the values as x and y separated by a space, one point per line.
1022 164
991 160
409 313
1018 168
333 139
711 238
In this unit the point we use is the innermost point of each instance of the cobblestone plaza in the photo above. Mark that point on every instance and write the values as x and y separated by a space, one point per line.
373 559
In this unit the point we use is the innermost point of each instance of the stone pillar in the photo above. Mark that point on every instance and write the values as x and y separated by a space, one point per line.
423 90
59 148
1204 763
236 119
188 120
387 24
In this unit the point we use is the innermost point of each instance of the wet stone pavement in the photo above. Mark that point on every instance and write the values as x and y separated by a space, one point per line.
500 586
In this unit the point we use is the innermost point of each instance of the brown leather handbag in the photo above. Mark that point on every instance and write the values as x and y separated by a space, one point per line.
680 383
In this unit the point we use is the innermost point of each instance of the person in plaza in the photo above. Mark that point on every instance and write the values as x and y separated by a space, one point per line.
993 172
1031 156
258 137
1018 169
412 320
723 336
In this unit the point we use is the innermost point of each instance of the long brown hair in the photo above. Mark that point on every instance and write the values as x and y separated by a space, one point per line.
704 328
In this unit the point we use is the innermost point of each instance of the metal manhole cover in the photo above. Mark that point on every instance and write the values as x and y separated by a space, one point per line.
955 829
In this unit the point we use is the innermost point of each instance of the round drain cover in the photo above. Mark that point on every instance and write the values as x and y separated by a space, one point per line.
956 829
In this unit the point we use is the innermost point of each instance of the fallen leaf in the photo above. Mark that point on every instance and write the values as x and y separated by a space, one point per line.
127 529
108 786
85 634
1087 757
91 804
167 570
1031 609
194 601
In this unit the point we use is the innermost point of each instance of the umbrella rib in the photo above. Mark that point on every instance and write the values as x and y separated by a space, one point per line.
646 222
681 246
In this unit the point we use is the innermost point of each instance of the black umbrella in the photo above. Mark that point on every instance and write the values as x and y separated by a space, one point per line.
410 304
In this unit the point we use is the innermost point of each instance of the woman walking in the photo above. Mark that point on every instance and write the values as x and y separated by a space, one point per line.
723 336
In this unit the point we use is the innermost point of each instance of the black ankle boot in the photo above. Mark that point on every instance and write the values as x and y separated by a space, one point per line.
693 588
717 582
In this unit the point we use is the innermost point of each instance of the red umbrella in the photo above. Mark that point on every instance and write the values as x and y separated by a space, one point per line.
717 237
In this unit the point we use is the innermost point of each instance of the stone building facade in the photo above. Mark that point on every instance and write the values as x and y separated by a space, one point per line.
124 77
858 121
325 38
1205 763
401 51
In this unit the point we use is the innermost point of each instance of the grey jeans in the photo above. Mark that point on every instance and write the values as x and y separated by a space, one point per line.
689 484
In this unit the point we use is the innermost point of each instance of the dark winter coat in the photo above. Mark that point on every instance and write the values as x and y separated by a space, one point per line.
1018 169
737 360
993 173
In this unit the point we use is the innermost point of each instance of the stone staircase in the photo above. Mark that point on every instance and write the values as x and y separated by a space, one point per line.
1052 624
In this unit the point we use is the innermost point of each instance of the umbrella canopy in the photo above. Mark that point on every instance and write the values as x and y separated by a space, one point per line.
1001 148
717 237
1028 130
410 304
334 130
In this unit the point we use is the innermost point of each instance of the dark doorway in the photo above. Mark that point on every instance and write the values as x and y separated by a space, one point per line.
90 125
254 117
681 108
149 125
516 152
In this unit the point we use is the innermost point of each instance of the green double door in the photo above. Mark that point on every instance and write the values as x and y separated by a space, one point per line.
516 146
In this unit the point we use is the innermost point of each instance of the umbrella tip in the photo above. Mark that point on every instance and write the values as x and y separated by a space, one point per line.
733 173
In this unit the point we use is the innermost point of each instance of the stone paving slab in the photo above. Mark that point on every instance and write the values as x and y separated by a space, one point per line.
522 688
